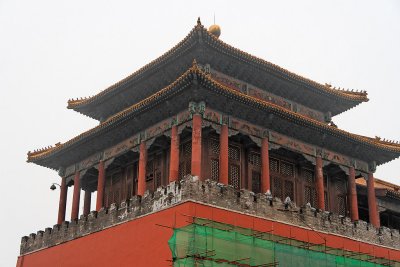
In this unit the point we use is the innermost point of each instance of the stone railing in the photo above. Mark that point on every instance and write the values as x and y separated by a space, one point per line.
212 193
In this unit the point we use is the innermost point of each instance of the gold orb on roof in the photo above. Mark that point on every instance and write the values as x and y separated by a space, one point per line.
215 30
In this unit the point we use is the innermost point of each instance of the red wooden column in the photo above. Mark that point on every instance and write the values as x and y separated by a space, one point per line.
223 155
319 183
75 199
174 156
86 203
372 207
265 178
353 195
142 169
100 186
196 145
63 200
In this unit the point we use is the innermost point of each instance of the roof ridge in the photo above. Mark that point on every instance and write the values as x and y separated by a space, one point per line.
75 102
325 87
347 94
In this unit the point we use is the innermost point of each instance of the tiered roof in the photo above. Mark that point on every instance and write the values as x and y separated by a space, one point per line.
208 49
56 156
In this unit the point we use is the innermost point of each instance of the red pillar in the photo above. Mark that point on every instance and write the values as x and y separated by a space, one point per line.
75 199
100 186
265 179
174 156
372 207
86 203
319 183
353 195
223 155
142 169
63 200
196 145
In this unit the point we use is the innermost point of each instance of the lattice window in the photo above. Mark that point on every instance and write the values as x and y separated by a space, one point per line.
158 179
341 205
214 169
187 149
185 160
129 190
256 182
234 153
254 159
289 190
310 195
326 200
214 146
287 169
308 176
273 165
340 187
149 169
234 176
277 187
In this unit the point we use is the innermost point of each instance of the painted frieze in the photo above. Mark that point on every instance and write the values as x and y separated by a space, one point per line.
292 144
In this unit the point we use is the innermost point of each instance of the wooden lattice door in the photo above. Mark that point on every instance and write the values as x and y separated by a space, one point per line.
154 171
310 193
185 159
340 196
282 174
213 157
234 159
254 171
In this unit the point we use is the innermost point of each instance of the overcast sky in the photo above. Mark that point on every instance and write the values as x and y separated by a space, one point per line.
52 51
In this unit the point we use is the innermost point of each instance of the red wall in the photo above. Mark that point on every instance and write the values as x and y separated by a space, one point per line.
142 242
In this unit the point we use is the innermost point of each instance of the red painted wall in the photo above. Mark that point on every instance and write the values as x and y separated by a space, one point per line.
142 242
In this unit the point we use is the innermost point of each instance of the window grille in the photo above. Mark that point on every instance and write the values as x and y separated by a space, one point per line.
234 153
277 187
234 176
308 176
287 169
254 159
256 182
340 187
158 179
214 169
214 146
310 195
273 165
289 190
187 149
341 205
326 200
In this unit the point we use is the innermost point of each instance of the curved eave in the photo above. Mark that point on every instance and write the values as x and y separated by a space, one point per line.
205 80
198 32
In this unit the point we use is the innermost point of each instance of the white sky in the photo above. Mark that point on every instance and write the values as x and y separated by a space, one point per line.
52 51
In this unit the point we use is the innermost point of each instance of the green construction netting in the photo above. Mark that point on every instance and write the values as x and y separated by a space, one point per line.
213 244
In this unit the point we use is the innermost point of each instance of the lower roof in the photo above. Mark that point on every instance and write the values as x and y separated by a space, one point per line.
302 127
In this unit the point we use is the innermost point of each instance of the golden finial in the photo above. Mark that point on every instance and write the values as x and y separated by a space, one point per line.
215 29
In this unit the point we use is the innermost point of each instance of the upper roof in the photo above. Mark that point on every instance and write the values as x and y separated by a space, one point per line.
208 49
74 150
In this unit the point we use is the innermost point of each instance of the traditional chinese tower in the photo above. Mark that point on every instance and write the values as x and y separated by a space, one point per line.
209 156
